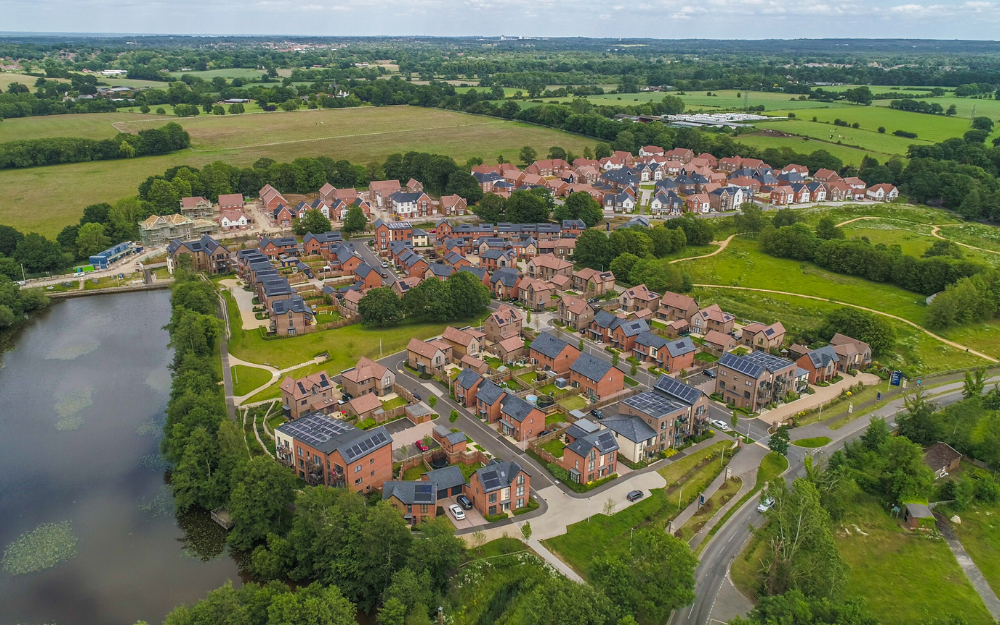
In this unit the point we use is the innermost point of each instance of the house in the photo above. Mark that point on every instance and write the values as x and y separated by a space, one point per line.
291 317
466 385
552 353
275 247
625 332
494 259
410 205
414 186
651 150
386 232
595 378
636 440
547 266
503 324
851 353
601 327
488 398
639 297
463 342
313 244
302 396
234 219
820 364
882 193
364 407
672 356
206 254
158 230
683 155
589 456
712 318
674 306
817 191
837 190
825 175
718 343
520 419
760 337
673 410
368 277
199 208
756 380
666 203
504 283
380 190
270 199
942 459
402 285
368 377
416 500
453 205
413 264
428 356
283 216
499 487
510 350
575 312
593 283
726 199
782 196
324 450
535 294
341 257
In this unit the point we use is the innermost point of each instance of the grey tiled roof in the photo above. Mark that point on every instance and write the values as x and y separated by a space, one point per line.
468 378
632 428
448 477
590 367
515 407
489 393
548 345
603 441
681 346
411 493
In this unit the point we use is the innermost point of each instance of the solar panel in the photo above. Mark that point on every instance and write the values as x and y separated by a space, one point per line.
423 493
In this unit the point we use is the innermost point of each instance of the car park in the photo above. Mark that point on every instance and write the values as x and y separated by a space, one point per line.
765 505
457 512
464 501
635 495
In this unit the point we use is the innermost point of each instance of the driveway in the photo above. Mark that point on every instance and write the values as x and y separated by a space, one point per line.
472 516
244 299
409 433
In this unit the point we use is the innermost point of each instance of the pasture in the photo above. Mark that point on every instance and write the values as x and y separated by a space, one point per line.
229 73
864 139
360 135
805 145
932 128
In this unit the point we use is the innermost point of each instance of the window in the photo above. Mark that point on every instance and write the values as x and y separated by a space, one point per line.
423 508
520 503
300 451
301 464
493 497
520 492
373 474
357 482
520 478
357 468
371 461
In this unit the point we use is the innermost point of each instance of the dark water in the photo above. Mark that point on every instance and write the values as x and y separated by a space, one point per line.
81 403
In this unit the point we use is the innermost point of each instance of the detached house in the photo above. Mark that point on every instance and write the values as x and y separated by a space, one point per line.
313 393
504 283
519 419
380 190
416 500
503 324
712 318
674 306
589 455
291 317
206 254
575 312
821 364
547 266
760 337
368 377
499 487
639 298
200 208
464 342
882 193
593 283
428 356
851 353
535 294
673 411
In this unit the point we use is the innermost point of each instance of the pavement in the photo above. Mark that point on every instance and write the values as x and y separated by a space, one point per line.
244 299
822 395
969 567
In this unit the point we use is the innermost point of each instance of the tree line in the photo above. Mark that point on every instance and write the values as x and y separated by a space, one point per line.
461 296
58 150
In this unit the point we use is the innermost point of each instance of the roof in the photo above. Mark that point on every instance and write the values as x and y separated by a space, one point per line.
548 345
634 327
604 319
718 338
423 348
654 404
454 335
293 304
511 344
327 435
452 437
448 477
604 442
823 356
489 393
576 305
366 369
365 403
411 493
468 378
754 364
681 346
651 340
939 455
678 390
498 474
515 407
506 275
303 386
919 511
590 367
632 428
714 313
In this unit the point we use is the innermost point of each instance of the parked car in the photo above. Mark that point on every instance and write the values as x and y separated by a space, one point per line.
593 300
765 505
385 264
597 414
457 512
416 397
420 445
464 501
720 424
635 495
709 372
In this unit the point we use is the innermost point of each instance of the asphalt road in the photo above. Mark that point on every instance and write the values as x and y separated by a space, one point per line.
728 542
389 276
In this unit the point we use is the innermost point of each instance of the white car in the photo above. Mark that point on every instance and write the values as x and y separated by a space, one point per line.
457 512
765 505
720 424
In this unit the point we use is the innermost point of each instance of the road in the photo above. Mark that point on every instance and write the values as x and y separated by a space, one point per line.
711 586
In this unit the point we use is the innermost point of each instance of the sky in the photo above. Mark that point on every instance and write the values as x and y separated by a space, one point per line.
662 19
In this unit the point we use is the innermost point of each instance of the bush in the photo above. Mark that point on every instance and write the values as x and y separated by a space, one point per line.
531 505
367 424
453 417
493 518
903 133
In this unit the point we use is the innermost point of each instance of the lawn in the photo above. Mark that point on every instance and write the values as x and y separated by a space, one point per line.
469 469
228 74
901 212
718 499
601 533
552 419
912 238
360 135
932 128
246 379
865 138
804 145
554 447
274 391
903 577
344 345
977 235
706 357
414 474
812 443
573 402
397 402
979 533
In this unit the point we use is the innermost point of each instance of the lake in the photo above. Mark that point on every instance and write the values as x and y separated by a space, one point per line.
82 398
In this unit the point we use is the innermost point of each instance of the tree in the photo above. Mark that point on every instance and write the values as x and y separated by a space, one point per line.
593 249
974 384
827 229
622 266
602 150
526 531
559 601
750 220
672 105
861 325
982 123
261 492
469 297
355 220
163 196
556 152
9 238
697 231
195 479
218 110
313 222
236 108
735 421
580 205
38 254
393 612
524 207
439 552
657 276
527 155
453 416
492 208
381 308
779 441
90 239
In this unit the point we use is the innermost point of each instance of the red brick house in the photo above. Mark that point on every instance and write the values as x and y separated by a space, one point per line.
639 297
575 312
488 398
387 232
499 487
503 324
270 198
453 205
595 378
589 455
552 353
519 419
307 395
466 385
428 356
674 306
760 337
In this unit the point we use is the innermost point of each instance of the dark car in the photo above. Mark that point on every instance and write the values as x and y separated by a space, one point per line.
710 373
635 495
464 502
416 397
597 413
593 300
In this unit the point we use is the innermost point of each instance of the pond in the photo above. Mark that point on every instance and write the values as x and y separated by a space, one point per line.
87 528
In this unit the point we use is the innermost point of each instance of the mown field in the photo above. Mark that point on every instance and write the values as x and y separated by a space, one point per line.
361 135
804 145
863 138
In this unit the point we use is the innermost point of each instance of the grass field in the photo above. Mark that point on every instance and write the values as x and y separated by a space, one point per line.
7 78
979 533
246 379
601 533
863 138
345 345
903 577
360 135
228 74
913 239
804 145
928 127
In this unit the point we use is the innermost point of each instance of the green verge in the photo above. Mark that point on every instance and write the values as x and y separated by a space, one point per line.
812 443
246 379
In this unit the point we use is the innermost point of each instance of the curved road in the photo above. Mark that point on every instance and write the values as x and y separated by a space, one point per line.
871 310
713 571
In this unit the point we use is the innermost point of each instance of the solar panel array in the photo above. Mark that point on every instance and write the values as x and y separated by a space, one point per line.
423 493
653 404
490 479
605 442
741 365
677 389
315 429
363 446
